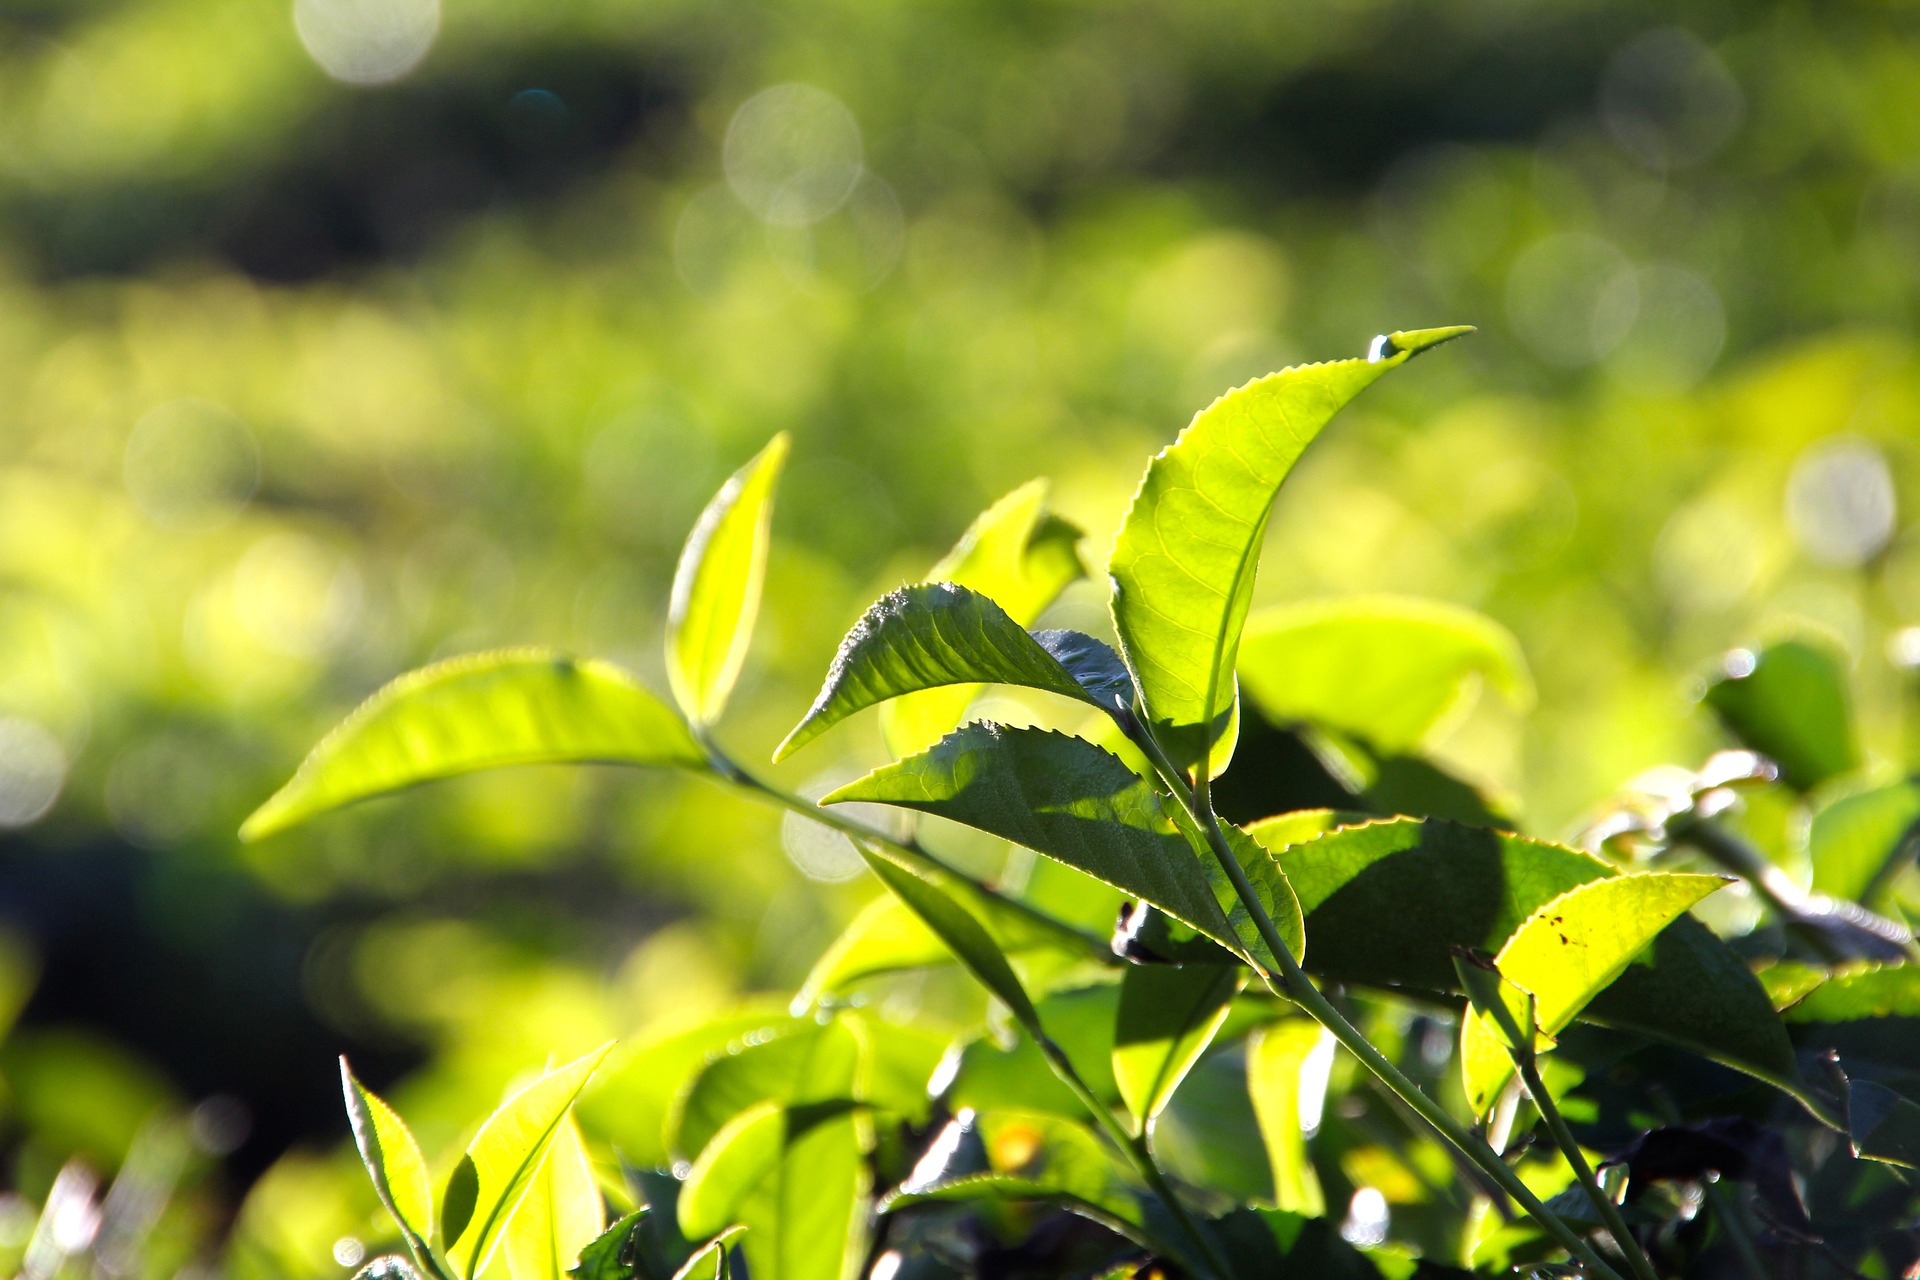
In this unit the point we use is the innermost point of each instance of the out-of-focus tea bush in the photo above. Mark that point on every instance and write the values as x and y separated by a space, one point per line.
336 337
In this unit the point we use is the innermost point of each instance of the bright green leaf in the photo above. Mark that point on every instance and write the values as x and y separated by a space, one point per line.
709 1262
1856 840
939 634
393 1161
1790 703
1387 669
1169 1014
509 707
716 588
1278 1057
1183 566
797 1181
502 1159
1565 954
1066 798
560 1214
1387 902
1017 554
805 1063
990 1076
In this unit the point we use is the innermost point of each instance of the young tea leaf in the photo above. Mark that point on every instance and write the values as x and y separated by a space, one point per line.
1564 955
1183 566
806 1063
940 634
610 1255
970 943
797 1181
1387 669
1018 554
1169 1014
1857 840
502 1159
484 711
560 1214
716 588
394 1162
1066 798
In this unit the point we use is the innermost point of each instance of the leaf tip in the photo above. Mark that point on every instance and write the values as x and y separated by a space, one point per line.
1411 342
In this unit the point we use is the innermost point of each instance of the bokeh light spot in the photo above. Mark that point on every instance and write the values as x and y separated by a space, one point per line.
190 464
1840 501
367 42
1668 100
33 768
793 154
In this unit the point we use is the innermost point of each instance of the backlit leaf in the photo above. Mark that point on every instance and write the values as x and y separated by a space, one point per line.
797 1181
709 1262
1068 799
610 1255
484 711
1183 566
1789 702
560 1214
1278 1056
716 588
963 935
807 1062
1169 1014
938 634
1387 669
1021 556
1565 954
502 1159
393 1161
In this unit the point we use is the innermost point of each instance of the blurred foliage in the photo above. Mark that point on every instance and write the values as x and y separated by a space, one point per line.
329 351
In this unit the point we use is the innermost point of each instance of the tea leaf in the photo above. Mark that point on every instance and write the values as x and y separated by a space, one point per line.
807 1062
484 711
1183 566
502 1159
709 1262
1068 799
939 634
1277 1057
560 1214
1789 702
393 1161
1855 840
796 1179
1018 554
963 935
1388 669
609 1256
1564 955
1169 1014
716 587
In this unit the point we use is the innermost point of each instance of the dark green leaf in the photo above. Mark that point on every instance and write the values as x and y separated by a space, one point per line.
716 588
971 945
1857 839
1168 1016
1064 797
1183 566
1019 555
610 1256
938 634
514 706
1789 702
1387 902
1884 1125
1387 669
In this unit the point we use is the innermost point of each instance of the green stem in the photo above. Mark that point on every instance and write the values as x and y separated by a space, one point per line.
1294 985
1623 1236
1135 1149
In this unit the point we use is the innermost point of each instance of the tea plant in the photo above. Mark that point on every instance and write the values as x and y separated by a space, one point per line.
1622 1095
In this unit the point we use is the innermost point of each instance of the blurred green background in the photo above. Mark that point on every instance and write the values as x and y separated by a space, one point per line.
338 337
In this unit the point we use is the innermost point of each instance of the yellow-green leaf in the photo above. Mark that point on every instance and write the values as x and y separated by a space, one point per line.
796 1179
1278 1058
393 1161
560 1214
1183 566
716 588
501 1161
1566 953
484 711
